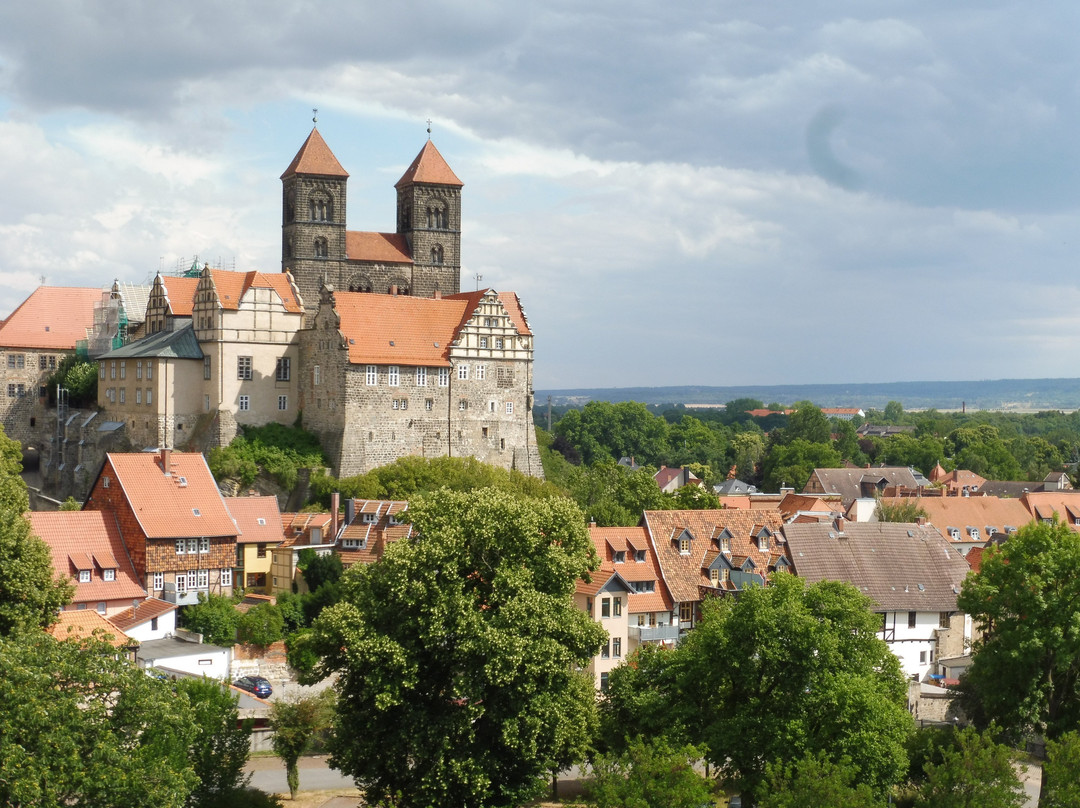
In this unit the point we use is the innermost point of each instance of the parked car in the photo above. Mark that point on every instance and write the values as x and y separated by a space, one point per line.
256 685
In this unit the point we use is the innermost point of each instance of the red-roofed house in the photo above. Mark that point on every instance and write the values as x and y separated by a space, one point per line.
258 520
393 375
87 548
302 531
370 526
174 522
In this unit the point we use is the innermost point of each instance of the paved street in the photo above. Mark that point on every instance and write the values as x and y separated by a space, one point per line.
268 773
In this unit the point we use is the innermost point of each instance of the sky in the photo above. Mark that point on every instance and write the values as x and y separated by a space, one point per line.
693 193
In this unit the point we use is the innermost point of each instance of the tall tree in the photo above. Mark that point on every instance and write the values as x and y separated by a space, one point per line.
81 725
294 724
649 774
809 423
793 464
1026 600
974 772
30 592
815 781
456 652
221 742
1062 768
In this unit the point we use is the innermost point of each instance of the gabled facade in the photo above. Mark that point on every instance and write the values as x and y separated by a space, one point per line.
369 527
854 483
173 521
259 531
302 530
88 550
391 375
153 619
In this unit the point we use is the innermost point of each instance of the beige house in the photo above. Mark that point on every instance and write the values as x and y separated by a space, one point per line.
219 351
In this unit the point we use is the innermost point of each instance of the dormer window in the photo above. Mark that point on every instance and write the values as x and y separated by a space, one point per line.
84 576
714 576
954 533
619 556
639 556
684 545
352 544
369 518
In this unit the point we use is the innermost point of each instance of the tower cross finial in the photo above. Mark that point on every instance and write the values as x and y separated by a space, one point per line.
314 115
429 128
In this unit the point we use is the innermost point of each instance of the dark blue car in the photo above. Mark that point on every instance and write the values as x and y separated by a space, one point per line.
254 684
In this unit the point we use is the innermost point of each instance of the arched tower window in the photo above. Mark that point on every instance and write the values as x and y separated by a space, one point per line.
320 207
290 205
321 248
360 283
437 254
436 217
399 286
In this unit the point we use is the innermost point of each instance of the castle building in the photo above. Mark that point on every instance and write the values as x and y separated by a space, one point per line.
423 256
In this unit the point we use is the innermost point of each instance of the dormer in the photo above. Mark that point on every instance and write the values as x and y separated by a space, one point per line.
682 540
762 537
723 541
954 533
107 564
83 567
779 563
973 532
354 543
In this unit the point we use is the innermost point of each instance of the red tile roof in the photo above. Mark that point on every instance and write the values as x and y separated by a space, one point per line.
386 248
52 318
512 303
232 286
144 613
608 540
88 540
1044 504
315 157
180 292
375 536
963 512
82 623
185 502
257 518
429 167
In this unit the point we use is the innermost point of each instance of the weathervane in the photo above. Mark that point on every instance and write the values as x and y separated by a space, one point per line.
429 128
314 115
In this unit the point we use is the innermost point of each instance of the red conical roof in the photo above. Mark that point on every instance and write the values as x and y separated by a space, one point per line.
429 167
315 157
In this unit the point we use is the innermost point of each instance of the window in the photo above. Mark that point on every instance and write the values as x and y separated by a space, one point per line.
123 370
714 576
149 396
498 343
421 377
181 582
911 619
282 403
617 607
429 404
321 248
725 574
101 370
588 606
604 678
159 581
684 546
372 375
41 362
149 370
282 372
483 342
20 361
138 395
108 575
393 375
123 395
944 619
463 405
437 254
480 370
243 368
245 403
509 407
52 362
616 646
605 652
686 610
260 551
11 360
505 377
206 403
725 544
101 608
226 577
462 372
84 576
370 518
763 543
153 624
444 377
11 391
112 369
192 546
192 579
204 579
401 403
619 556
641 619
138 370
204 545
605 607
922 657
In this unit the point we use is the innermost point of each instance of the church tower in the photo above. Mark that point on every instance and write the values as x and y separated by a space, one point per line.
429 217
313 217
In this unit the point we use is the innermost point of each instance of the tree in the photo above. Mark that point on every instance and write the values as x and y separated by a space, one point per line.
319 569
294 724
815 781
811 677
793 464
220 746
808 423
1062 769
214 616
694 498
456 652
894 412
263 625
749 448
71 504
650 774
30 593
974 772
904 510
1026 601
83 726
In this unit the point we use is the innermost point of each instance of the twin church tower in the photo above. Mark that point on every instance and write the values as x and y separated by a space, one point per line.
422 258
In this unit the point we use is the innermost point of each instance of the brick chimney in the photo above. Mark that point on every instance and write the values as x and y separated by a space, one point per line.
335 504
166 460
393 290
437 295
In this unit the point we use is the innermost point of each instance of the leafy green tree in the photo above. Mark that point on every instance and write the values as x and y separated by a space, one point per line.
922 453
70 504
847 443
894 412
30 593
1062 769
319 569
692 441
1026 601
650 774
262 625
613 495
279 450
807 423
214 616
81 725
981 449
456 652
975 772
693 498
220 746
749 449
605 431
78 377
812 677
295 724
904 510
815 781
793 464
735 411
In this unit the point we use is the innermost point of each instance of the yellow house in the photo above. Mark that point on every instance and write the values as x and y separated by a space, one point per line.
259 532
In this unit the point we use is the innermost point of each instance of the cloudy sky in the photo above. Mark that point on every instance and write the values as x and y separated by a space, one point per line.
719 193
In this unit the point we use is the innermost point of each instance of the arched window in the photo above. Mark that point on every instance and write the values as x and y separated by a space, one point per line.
290 205
437 254
360 283
321 249
320 207
399 286
436 217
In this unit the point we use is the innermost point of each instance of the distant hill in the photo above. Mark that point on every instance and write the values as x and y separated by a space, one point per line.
998 394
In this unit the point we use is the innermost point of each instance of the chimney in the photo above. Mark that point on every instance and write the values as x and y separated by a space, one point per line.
166 457
841 523
920 520
350 510
437 295
393 290
335 504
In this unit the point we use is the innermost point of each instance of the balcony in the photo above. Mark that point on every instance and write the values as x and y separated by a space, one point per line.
655 633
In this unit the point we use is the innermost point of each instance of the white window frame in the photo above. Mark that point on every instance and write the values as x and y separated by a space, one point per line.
84 576
316 375
192 546
244 403
421 377
149 370
138 395
226 576
138 370
108 574
480 371
149 395
282 403
181 582
393 376
444 377
123 395
463 372
203 579
204 544
509 407
181 546
372 375
159 581
192 579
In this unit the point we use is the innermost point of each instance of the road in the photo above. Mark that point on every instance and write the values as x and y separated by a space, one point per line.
268 774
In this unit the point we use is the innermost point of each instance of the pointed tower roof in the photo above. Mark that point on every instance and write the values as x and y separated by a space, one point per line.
315 157
429 167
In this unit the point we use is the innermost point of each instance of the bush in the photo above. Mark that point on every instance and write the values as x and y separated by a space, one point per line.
214 616
280 451
263 625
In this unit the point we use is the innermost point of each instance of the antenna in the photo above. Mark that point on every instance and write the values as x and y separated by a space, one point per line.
478 277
